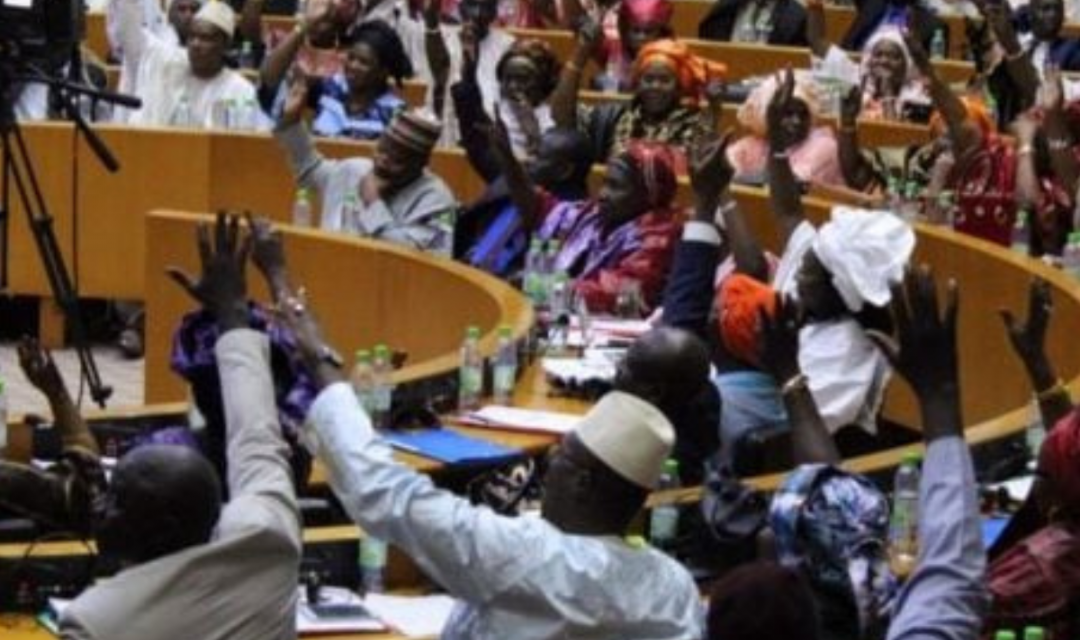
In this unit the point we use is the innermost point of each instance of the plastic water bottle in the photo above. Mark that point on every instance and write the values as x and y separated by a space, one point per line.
505 367
1035 433
1070 256
301 212
247 55
559 300
911 207
1034 633
551 256
1019 238
530 280
3 420
373 553
1005 635
937 46
181 115
471 373
363 379
350 211
664 519
904 524
895 194
382 397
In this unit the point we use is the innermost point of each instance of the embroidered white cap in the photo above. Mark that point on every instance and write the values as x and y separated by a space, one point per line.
219 14
628 435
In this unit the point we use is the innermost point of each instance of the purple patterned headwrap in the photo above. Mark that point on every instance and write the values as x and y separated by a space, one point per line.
193 360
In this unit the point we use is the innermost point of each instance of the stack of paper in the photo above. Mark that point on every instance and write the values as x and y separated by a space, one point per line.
512 418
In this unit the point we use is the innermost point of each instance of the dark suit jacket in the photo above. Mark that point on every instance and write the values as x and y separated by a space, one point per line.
870 12
789 24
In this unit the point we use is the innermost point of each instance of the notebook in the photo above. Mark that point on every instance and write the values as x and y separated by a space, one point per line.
450 447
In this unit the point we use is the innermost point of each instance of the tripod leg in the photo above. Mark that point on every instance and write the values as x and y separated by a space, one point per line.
52 260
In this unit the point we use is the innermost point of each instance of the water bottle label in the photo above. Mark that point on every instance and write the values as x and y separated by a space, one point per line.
372 553
472 379
664 523
504 378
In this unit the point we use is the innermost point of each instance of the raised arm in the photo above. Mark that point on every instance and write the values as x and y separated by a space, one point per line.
945 598
1018 65
438 56
779 354
308 165
564 100
784 193
133 37
38 366
521 187
964 135
280 59
1028 340
858 172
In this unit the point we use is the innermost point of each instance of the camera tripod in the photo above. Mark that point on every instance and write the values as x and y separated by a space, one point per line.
17 170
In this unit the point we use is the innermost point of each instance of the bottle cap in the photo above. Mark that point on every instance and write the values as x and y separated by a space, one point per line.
505 331
303 193
1034 633
1005 635
472 332
671 467
912 458
363 355
381 351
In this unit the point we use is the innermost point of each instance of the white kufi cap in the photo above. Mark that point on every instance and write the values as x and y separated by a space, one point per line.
219 14
628 435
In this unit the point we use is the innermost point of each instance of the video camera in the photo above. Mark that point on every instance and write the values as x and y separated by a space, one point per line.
39 35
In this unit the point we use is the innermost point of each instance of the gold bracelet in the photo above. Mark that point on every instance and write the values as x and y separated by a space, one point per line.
1055 389
797 382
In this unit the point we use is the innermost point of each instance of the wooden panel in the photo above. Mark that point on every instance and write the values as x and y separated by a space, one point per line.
159 168
365 292
50 148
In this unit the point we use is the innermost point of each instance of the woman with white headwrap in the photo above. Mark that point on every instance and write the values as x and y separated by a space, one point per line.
840 274
890 80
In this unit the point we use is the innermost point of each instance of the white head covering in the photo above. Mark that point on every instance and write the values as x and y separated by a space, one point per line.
629 435
895 36
865 252
219 14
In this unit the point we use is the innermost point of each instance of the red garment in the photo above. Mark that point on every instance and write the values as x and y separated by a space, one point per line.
1038 583
740 301
1059 459
649 266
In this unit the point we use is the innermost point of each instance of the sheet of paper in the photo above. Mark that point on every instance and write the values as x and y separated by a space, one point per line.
500 417
412 616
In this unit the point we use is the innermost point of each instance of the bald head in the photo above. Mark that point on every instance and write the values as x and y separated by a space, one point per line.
666 366
163 498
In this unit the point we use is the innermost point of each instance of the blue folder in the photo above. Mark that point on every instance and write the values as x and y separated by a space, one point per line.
993 527
450 447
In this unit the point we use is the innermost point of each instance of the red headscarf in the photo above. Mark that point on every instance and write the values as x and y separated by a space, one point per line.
642 12
693 72
656 162
739 303
1059 459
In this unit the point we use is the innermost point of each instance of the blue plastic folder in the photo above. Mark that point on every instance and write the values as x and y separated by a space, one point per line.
450 447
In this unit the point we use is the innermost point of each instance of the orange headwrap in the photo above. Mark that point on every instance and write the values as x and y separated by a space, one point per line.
1059 459
976 112
693 72
739 303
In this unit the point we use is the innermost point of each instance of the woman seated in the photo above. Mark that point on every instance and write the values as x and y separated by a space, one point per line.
669 83
813 150
892 87
623 238
638 23
527 74
357 102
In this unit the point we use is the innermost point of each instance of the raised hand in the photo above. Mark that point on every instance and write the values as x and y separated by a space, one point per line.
432 13
499 139
1028 338
589 35
710 171
779 140
851 106
317 12
924 350
999 18
778 337
918 53
221 287
38 367
268 254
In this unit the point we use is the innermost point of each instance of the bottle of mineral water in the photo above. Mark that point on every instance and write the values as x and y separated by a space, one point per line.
505 367
904 524
1019 239
664 518
247 55
530 280
363 379
373 553
301 213
1034 633
382 397
471 372
938 49
182 115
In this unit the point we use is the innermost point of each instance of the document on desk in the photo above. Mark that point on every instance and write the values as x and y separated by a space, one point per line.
514 419
412 616
337 611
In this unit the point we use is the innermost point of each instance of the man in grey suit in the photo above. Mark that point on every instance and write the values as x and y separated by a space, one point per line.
190 568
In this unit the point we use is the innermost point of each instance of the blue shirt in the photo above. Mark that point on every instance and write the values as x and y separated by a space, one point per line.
332 119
